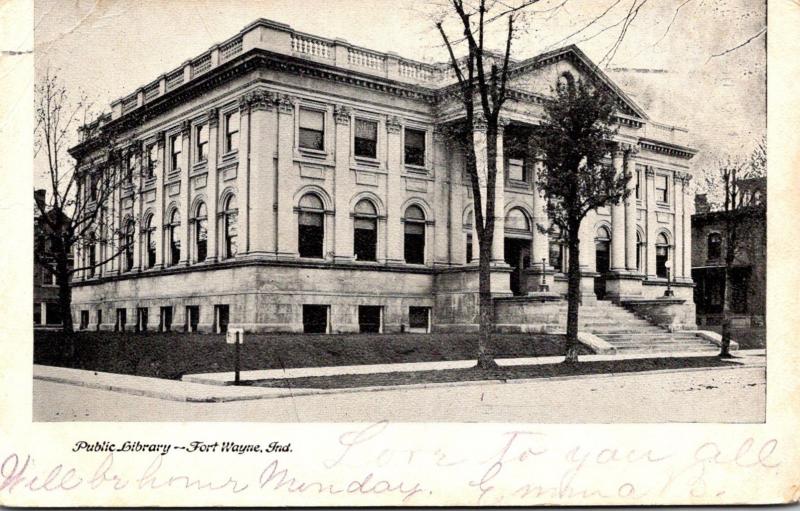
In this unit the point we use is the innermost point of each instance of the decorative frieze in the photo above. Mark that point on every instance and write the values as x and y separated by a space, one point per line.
342 115
262 100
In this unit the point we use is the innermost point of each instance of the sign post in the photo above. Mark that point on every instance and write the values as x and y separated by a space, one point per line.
235 336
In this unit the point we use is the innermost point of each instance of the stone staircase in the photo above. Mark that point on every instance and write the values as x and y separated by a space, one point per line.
622 329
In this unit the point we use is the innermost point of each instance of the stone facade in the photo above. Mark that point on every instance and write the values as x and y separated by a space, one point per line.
279 171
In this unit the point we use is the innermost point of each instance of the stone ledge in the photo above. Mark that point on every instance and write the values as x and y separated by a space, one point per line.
595 343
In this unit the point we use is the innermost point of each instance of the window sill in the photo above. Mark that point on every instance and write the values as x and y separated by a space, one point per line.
200 165
515 183
230 155
416 169
313 153
366 161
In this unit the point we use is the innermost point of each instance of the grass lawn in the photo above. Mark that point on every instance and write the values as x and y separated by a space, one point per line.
171 355
504 374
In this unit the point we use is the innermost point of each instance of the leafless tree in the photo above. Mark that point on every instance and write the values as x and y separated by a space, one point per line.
739 213
76 211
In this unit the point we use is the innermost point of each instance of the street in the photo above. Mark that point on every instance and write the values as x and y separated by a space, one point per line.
704 395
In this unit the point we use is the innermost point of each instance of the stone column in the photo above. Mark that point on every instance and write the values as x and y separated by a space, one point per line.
186 215
394 199
262 147
479 146
541 243
630 211
677 227
287 220
211 184
618 220
243 175
498 241
650 245
688 210
158 216
587 246
113 233
446 222
456 191
343 222
136 210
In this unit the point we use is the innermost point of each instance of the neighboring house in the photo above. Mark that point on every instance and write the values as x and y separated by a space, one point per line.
749 275
46 312
286 182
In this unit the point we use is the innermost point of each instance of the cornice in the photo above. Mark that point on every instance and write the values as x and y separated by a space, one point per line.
657 146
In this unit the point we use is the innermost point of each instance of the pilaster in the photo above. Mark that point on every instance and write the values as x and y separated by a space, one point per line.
158 218
262 147
618 232
440 199
456 193
688 211
243 175
498 240
212 184
541 243
651 221
630 210
343 228
677 227
186 215
286 221
394 224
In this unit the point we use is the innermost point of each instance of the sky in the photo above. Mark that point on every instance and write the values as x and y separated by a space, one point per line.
666 60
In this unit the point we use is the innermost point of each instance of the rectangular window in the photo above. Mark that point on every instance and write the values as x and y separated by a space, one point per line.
366 139
369 319
312 130
192 318
638 183
84 320
130 166
94 181
662 189
99 318
202 142
231 131
315 319
166 319
152 159
37 313
469 248
516 170
122 318
141 319
222 315
175 152
419 319
52 314
415 147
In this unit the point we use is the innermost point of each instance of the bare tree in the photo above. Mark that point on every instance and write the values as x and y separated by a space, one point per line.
482 84
739 213
574 140
75 213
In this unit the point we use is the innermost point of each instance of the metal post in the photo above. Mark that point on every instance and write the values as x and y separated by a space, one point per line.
543 287
236 364
669 292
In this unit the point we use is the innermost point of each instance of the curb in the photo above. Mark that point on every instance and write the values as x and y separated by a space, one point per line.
279 393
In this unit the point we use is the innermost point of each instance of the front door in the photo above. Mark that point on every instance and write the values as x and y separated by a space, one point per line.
518 256
601 266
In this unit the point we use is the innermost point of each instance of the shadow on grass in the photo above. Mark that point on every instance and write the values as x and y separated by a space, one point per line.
503 373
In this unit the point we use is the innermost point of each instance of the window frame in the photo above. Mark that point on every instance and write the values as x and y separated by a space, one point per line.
151 162
414 221
175 141
301 210
323 111
199 146
523 169
354 146
372 217
228 214
718 255
426 142
174 241
197 222
662 199
226 116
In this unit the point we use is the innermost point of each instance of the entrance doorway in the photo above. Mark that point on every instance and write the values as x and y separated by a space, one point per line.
602 244
518 256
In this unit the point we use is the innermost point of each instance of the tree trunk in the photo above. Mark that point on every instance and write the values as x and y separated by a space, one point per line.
65 304
573 299
726 314
486 306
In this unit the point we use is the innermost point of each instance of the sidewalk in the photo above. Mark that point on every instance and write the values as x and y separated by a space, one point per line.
216 387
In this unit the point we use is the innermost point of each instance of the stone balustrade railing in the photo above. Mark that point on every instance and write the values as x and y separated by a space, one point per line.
313 46
667 133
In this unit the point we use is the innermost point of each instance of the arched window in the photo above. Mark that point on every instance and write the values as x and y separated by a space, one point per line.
201 232
714 245
557 259
517 220
365 231
149 242
662 255
311 226
566 82
414 240
230 215
602 244
757 198
174 238
640 248
130 227
468 229
92 255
